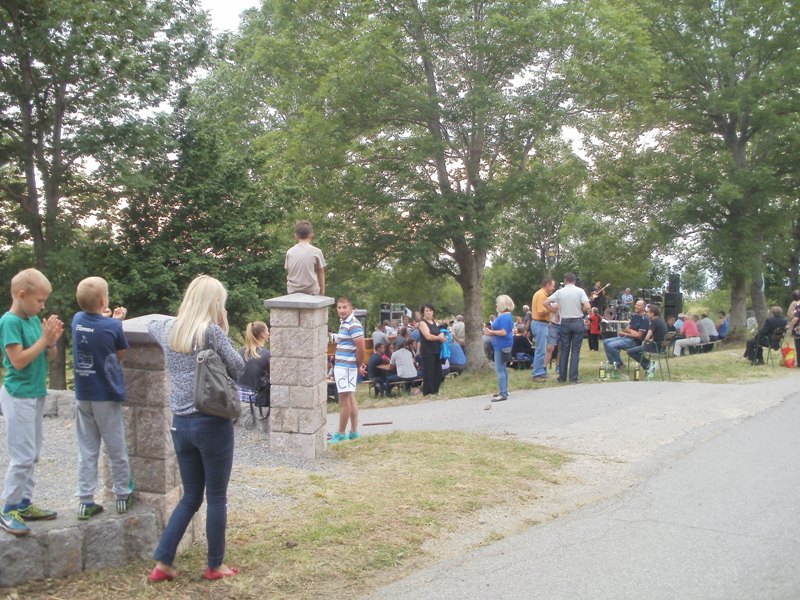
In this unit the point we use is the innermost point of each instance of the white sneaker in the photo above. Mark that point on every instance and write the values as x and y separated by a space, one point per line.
651 370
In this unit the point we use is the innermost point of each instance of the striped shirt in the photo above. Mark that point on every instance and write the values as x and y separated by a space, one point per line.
349 330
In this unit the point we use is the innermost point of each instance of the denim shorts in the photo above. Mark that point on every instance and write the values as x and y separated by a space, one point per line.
553 331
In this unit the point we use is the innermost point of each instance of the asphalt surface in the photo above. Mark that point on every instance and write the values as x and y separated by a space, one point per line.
677 491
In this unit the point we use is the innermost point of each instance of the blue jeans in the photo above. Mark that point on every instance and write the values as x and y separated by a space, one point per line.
613 346
204 448
637 353
571 339
500 366
539 331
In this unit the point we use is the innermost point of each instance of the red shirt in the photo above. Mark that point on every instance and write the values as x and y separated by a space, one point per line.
689 329
594 323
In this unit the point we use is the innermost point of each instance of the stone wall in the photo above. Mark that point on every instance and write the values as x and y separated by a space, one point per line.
67 546
298 367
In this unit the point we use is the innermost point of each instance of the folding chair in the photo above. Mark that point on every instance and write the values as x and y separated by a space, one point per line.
661 354
775 343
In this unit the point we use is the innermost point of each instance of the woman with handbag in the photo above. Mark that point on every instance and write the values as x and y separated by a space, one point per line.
203 443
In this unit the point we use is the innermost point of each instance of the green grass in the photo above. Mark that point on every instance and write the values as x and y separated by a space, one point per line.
347 532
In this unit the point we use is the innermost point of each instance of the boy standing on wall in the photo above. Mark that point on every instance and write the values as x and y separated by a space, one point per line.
27 343
98 346
304 264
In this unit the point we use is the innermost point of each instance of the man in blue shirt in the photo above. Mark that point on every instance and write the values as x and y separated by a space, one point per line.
629 337
458 360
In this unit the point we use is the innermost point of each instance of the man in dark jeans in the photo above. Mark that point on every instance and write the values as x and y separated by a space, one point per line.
571 302
656 332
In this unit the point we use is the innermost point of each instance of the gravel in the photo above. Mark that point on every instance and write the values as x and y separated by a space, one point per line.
56 473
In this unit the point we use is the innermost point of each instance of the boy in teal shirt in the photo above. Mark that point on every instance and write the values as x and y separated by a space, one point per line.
26 345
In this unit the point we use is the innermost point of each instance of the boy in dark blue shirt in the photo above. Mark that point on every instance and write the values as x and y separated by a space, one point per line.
98 345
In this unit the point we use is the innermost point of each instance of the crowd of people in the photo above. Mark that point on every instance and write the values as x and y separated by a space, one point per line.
423 349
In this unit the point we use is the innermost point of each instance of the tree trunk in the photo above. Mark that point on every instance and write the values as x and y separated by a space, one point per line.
470 279
758 299
794 255
738 316
58 367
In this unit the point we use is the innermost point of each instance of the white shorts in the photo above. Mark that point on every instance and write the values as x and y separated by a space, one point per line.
346 378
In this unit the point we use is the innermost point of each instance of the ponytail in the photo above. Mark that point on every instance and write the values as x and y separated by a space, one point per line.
253 332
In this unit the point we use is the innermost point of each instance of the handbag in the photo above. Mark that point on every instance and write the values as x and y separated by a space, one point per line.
215 392
788 358
261 400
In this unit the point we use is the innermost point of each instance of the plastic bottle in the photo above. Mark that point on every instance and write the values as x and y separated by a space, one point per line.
637 373
601 372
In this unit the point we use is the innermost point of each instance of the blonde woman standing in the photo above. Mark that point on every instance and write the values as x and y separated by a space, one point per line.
501 333
203 443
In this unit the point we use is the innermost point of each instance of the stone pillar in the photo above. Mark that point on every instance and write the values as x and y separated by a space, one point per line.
298 367
147 425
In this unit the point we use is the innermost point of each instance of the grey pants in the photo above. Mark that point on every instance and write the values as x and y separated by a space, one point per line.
23 418
96 421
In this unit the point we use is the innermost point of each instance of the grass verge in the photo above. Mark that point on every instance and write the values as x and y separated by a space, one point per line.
348 531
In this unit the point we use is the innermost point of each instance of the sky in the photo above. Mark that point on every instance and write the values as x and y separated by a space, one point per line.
225 13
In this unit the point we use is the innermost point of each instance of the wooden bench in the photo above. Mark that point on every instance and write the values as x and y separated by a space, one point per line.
702 348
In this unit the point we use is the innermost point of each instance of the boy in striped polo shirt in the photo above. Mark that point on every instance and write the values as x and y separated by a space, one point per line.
349 361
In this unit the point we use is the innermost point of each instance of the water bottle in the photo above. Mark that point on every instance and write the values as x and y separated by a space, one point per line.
614 372
651 374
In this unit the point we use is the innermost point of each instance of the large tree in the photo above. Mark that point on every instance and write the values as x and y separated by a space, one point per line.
413 124
728 91
73 75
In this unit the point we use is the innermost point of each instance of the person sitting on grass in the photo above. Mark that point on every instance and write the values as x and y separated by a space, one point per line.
521 347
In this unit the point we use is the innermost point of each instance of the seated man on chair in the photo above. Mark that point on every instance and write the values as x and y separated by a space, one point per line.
764 337
629 337
656 333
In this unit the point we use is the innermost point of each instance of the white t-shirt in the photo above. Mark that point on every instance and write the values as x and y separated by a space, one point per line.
404 361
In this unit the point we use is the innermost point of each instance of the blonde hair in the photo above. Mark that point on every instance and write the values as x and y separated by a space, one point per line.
505 303
203 304
30 280
252 334
90 293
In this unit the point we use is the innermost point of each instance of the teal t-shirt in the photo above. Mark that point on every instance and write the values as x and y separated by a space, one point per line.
30 382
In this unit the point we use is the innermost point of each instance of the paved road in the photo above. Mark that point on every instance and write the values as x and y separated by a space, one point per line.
702 498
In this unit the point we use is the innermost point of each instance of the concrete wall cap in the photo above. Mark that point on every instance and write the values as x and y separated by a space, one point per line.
136 329
302 301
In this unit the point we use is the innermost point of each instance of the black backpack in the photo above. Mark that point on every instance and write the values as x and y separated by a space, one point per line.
260 400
